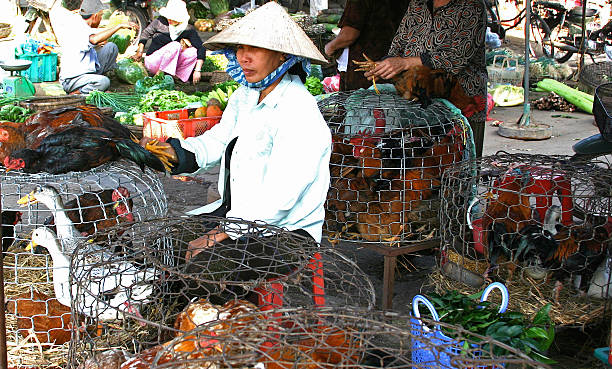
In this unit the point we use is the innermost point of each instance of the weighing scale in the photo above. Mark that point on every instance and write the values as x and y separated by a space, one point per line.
16 84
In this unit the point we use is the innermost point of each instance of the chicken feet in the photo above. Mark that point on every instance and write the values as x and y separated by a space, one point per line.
160 152
366 66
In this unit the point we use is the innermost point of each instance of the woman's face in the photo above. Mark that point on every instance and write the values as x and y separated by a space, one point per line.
256 62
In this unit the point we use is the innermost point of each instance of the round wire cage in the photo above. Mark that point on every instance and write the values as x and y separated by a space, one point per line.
387 160
324 338
132 286
73 205
542 224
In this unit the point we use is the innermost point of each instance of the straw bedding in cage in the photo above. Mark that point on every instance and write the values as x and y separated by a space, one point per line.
542 224
387 161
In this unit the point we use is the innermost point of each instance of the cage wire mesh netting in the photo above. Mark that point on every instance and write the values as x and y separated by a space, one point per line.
73 205
542 224
387 160
138 296
319 338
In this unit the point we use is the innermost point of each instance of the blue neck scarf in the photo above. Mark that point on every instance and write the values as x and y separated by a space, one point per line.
235 71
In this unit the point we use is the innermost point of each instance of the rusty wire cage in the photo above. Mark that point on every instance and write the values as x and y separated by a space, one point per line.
38 329
150 283
320 338
542 224
387 160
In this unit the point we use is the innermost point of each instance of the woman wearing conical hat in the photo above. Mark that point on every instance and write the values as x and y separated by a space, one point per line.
272 130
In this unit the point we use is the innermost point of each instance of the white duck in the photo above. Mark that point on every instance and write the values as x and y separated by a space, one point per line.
121 279
66 231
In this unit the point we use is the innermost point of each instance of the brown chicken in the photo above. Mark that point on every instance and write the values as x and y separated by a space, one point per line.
423 83
95 211
201 312
325 347
385 219
12 138
50 320
109 359
443 154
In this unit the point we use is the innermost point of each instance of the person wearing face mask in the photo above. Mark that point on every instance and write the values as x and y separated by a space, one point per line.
85 54
272 142
175 49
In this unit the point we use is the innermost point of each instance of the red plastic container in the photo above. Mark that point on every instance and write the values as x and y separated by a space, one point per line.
175 123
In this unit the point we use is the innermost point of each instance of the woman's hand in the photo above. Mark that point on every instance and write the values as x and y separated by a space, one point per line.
389 67
166 147
197 75
129 25
211 238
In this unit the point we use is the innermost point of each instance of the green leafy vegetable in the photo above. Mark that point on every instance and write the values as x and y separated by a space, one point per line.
122 41
214 62
119 102
159 82
533 337
218 6
314 85
162 100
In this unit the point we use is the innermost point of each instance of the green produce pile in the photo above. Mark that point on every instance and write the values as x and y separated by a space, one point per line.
214 62
6 99
13 113
531 336
117 101
221 92
161 100
130 71
218 6
314 85
160 81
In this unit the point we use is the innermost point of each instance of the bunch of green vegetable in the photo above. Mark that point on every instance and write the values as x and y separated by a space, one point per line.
220 95
533 337
117 101
161 100
14 113
314 85
218 6
158 82
214 62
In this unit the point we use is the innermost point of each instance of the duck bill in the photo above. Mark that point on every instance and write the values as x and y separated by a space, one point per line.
30 246
28 199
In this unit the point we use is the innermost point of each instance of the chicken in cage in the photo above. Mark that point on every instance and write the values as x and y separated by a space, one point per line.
319 338
388 157
65 209
137 291
521 219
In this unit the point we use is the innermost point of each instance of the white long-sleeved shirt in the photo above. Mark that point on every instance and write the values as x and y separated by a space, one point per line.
280 164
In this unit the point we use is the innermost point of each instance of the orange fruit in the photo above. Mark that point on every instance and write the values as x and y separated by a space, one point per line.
200 112
213 111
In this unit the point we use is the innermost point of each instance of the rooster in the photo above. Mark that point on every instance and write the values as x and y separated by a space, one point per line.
80 148
507 212
423 83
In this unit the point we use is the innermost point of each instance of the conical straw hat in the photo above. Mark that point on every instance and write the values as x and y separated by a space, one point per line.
268 27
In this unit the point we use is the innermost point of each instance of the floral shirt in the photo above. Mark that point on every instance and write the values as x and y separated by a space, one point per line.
451 37
280 165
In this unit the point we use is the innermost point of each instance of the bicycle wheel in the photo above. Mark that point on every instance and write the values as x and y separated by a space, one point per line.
493 21
539 30
560 34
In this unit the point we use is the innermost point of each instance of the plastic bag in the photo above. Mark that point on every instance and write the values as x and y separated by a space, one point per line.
158 82
130 71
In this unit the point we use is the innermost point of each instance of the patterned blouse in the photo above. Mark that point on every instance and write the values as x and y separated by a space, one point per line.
451 37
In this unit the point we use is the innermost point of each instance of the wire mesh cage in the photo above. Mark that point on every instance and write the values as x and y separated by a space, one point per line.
75 206
322 338
542 224
132 289
387 160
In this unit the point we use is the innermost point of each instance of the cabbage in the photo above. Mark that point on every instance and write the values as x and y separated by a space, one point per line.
508 95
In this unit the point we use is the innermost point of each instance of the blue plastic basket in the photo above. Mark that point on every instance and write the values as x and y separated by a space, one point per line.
446 347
